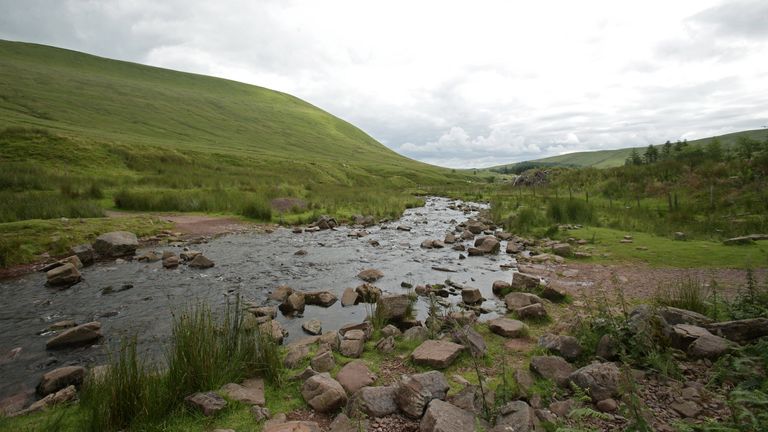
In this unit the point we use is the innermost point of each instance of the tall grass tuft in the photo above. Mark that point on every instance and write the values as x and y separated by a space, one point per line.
687 293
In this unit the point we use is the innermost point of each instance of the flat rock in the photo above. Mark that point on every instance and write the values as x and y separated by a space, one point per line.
352 348
567 347
60 378
208 403
517 300
534 311
320 298
251 395
441 416
313 327
76 336
370 275
349 297
116 244
201 262
508 327
552 367
524 281
394 308
373 401
354 376
709 347
437 354
63 276
742 330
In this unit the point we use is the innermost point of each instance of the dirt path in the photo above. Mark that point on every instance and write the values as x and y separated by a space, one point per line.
200 225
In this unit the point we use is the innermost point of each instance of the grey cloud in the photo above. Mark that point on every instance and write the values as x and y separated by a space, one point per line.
743 18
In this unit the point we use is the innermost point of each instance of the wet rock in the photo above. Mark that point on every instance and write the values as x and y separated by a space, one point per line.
508 327
171 262
325 222
488 245
349 298
323 362
708 347
320 298
517 300
373 401
62 325
368 293
150 256
189 255
459 248
313 327
63 276
323 393
601 380
201 262
513 248
473 251
294 303
393 308
77 336
524 281
417 333
85 253
354 376
436 354
208 403
300 252
567 347
60 378
386 345
74 260
370 275
501 287
351 348
475 227
449 239
116 244
467 235
444 417
515 416
292 426
534 311
471 296
552 367
404 228
251 392
740 331
281 293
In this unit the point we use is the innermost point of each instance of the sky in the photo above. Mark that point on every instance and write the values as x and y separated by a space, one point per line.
454 83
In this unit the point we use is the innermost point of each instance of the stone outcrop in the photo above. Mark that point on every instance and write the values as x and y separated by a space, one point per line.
116 244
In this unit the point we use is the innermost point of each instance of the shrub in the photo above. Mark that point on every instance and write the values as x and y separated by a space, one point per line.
257 210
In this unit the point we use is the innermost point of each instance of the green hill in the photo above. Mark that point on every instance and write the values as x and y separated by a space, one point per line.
614 158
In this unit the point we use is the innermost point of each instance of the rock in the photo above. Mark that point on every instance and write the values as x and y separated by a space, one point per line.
686 409
473 251
74 260
273 329
292 426
441 416
330 338
251 392
416 391
116 244
259 413
674 316
295 355
525 381
745 240
600 380
393 308
264 311
517 300
208 403
449 239
417 333
471 339
488 245
281 293
300 252
562 408
60 378
373 401
354 376
475 227
351 348
76 336
607 348
553 293
171 262
607 405
63 275
553 368
342 423
534 311
463 317
201 262
364 326
501 288
515 416
323 393
325 222
437 354
471 296
390 330
189 255
62 325
562 249
644 320
294 303
740 331
67 394
524 281
370 275
682 335
567 347
386 345
85 253
467 235
313 327
323 362
679 236
320 298
150 256
404 228
368 293
470 398
508 327
708 347
513 248
356 334
349 298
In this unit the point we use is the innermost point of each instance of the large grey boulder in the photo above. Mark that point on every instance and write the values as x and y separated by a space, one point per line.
709 347
412 397
444 417
600 380
373 401
116 244
294 303
76 336
323 393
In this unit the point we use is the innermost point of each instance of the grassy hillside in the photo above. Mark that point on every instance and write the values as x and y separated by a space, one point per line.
80 133
614 158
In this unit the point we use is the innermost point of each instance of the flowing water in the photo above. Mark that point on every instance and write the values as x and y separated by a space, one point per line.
250 265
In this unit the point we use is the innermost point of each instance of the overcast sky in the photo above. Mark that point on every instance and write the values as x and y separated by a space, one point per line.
459 84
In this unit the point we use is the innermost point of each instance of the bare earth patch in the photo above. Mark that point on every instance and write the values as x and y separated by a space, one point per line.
191 226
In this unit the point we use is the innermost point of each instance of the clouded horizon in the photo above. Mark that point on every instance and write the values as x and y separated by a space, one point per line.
451 83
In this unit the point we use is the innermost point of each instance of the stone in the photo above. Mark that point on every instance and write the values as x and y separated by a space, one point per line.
553 293
201 262
513 248
259 413
435 382
515 416
740 331
525 381
349 297
686 409
60 378
508 327
355 334
567 347
471 339
281 293
364 326
251 392
673 315
323 393
273 329
708 347
534 311
600 380
313 327
323 362
473 251
386 345
304 375
354 376
449 239
470 398
517 300
189 255
436 354
83 334
68 394
368 293
63 276
320 298
342 423
607 405
330 338
116 244
463 317
208 403
294 303
501 288
562 408
62 325
74 260
325 222
264 311
295 355
553 368
682 335
417 333
412 397
489 245
441 416
390 330
524 281
370 275
149 256
562 249
171 262
394 308
607 348
292 426
373 401
471 296
352 348
84 252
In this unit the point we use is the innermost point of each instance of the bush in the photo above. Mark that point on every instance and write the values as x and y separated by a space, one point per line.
258 210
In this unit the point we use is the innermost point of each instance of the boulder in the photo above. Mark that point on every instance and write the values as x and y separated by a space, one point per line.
488 245
475 227
390 330
607 405
386 345
412 397
562 249
435 382
471 296
323 362
373 401
349 297
63 276
473 251
323 393
189 255
325 222
501 288
553 292
600 380
517 300
320 298
682 335
354 376
201 262
393 308
416 333
74 260
294 355
742 330
264 311
567 347
313 327
281 293
364 326
368 293
607 348
708 347
524 282
352 348
342 423
116 244
273 329
60 378
370 275
436 354
68 394
171 262
149 256
83 334
552 367
470 398
84 252
515 416
471 339
251 392
673 315
294 303
534 311
467 235
208 403
449 239
508 327
441 416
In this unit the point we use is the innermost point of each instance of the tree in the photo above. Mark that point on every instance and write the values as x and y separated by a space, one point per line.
666 151
746 147
714 150
634 158
651 154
